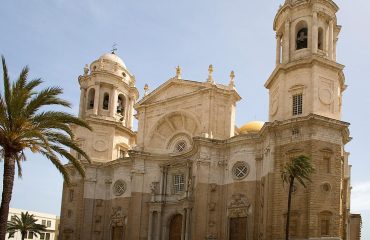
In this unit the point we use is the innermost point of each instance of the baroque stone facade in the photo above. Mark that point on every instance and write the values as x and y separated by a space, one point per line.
189 173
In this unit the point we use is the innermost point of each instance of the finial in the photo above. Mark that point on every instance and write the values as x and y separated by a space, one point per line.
178 72
232 77
114 48
86 69
210 71
132 81
101 64
146 89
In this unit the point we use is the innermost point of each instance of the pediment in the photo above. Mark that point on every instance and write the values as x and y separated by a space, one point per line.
171 89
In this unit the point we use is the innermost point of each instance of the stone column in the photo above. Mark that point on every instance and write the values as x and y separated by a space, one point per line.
315 33
335 49
278 49
83 105
150 227
286 43
187 232
113 103
159 224
96 99
183 224
331 39
130 109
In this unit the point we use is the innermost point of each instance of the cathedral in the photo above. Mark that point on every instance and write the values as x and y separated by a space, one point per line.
189 173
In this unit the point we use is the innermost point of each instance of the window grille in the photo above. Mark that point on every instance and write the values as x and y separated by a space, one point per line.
180 146
297 104
178 183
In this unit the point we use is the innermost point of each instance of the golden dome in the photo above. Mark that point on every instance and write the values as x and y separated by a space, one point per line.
251 127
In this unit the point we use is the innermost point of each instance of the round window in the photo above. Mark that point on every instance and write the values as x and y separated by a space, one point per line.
326 187
180 146
119 187
240 170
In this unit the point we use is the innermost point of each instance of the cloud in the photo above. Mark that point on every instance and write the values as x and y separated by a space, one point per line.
360 198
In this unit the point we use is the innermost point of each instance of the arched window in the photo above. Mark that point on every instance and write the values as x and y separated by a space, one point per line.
90 98
121 102
302 35
325 223
320 40
106 101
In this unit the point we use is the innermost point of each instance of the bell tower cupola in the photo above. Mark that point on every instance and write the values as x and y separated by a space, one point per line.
108 90
307 79
108 94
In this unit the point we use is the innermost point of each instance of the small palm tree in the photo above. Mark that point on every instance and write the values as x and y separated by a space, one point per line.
27 223
299 168
24 124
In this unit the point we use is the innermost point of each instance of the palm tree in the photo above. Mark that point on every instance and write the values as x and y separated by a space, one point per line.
299 168
25 125
27 223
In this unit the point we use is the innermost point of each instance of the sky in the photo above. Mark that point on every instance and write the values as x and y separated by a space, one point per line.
56 38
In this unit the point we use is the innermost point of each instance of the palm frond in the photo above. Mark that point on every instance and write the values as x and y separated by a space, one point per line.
58 164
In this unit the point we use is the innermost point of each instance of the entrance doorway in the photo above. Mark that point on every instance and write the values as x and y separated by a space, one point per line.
117 233
238 228
175 227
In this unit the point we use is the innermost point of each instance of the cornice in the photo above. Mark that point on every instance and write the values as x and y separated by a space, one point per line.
205 86
115 124
283 68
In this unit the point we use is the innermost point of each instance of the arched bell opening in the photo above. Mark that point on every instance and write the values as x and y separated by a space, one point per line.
106 101
91 98
301 35
121 103
320 40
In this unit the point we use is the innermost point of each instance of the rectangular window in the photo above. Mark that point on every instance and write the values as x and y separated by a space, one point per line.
49 224
47 236
178 183
30 235
42 235
327 164
71 195
44 222
297 104
325 227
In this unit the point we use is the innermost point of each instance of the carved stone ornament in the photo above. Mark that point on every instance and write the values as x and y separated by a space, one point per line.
211 237
212 206
100 145
326 96
117 216
238 206
154 188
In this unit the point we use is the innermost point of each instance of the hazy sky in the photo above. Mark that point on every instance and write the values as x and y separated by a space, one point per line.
56 38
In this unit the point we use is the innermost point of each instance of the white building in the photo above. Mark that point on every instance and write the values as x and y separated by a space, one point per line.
50 221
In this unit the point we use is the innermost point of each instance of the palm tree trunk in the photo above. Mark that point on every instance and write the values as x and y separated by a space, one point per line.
8 181
24 235
291 185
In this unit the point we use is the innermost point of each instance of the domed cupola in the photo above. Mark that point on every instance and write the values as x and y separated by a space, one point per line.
112 64
108 90
292 2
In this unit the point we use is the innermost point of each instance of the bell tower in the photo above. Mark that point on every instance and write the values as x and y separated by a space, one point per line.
108 94
307 79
